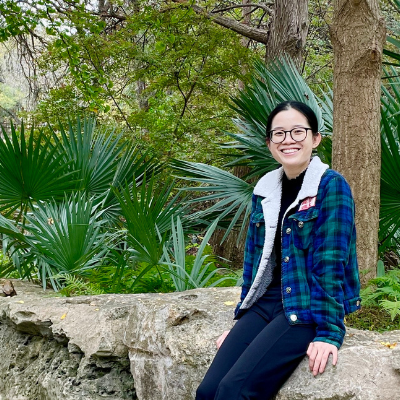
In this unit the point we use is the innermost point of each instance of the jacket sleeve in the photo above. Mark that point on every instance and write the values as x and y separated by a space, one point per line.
334 236
248 260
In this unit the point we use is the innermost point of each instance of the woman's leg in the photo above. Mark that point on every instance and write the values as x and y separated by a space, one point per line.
239 338
267 362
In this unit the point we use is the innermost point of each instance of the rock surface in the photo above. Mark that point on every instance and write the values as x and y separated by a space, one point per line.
156 347
55 348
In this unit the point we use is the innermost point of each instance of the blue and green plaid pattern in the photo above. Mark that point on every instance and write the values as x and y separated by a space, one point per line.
320 279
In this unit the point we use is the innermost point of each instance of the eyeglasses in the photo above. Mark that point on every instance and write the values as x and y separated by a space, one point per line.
279 135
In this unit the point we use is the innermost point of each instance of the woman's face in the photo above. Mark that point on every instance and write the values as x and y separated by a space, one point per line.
294 156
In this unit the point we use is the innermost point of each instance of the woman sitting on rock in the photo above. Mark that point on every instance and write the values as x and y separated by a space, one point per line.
300 268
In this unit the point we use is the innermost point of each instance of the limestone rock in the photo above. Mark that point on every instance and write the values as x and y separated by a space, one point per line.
7 288
364 372
157 347
171 340
57 348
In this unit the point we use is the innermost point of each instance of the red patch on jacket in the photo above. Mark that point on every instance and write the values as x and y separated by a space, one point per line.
307 203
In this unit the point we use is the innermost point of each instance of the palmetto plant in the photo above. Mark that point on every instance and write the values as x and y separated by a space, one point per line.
101 161
390 167
60 238
147 215
36 175
31 170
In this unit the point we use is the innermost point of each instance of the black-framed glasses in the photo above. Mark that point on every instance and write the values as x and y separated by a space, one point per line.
279 135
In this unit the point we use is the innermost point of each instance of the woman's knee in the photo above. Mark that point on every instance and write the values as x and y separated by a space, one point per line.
227 389
205 392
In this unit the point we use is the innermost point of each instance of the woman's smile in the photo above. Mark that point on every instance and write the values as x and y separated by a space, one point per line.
290 151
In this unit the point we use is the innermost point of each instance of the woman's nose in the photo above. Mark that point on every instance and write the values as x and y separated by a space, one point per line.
288 138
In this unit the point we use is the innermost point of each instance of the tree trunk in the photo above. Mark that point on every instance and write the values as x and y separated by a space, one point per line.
288 30
358 35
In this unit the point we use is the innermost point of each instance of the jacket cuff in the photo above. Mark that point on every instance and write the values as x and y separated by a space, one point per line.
352 305
329 339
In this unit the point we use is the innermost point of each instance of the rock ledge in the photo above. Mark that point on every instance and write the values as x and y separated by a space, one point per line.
156 347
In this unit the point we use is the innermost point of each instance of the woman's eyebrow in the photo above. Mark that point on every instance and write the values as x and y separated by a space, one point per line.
294 126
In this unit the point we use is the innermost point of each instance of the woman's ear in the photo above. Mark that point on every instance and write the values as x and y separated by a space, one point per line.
316 140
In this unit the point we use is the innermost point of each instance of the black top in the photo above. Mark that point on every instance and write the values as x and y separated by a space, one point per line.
290 190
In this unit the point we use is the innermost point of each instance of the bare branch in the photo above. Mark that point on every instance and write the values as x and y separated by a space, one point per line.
259 35
263 6
11 114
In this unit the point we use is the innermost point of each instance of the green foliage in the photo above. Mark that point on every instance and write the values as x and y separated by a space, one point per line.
380 269
65 233
163 71
80 234
147 213
200 273
74 286
390 170
384 291
372 318
318 55
30 171
7 269
61 238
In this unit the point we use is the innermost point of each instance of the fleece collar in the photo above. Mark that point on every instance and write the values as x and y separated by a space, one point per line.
273 180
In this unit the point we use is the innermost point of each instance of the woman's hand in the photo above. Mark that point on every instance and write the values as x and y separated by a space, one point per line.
221 339
318 354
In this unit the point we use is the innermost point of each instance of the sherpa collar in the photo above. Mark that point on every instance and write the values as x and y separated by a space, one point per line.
273 180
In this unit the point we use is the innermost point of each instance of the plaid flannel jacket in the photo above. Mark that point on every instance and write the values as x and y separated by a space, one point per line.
320 279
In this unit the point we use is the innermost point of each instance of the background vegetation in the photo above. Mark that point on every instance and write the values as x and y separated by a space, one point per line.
90 207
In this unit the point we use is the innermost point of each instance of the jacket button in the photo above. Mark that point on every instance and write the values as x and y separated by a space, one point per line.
257 224
293 317
288 230
286 259
301 224
288 289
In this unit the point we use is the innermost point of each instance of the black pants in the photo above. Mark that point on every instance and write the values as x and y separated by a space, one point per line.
259 354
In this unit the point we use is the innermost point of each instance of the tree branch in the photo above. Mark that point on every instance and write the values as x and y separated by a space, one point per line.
11 114
259 35
263 6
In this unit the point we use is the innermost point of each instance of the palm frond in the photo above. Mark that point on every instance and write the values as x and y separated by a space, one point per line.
390 167
230 195
31 171
66 237
147 211
93 155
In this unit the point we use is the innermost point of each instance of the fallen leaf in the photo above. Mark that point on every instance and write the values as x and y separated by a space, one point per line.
229 303
21 302
389 345
63 316
96 309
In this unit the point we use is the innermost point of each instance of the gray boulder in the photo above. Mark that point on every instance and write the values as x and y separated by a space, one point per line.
156 347
56 348
172 342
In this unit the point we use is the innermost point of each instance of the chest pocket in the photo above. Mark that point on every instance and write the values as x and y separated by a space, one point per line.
257 218
257 224
302 224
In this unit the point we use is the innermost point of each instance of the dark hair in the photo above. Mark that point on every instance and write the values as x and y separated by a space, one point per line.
298 106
